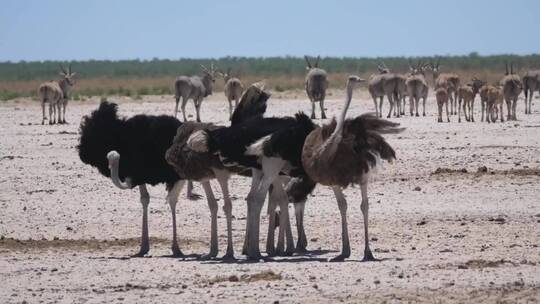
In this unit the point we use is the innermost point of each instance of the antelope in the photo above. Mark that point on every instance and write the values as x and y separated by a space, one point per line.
402 92
511 86
195 88
56 93
495 97
448 80
316 85
233 90
466 94
531 83
441 94
417 87
381 84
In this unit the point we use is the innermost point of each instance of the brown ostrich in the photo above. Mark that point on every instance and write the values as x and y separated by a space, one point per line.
346 152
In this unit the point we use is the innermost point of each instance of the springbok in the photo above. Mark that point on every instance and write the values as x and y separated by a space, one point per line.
448 80
466 94
495 97
316 85
417 87
56 93
511 86
381 84
233 90
195 88
531 83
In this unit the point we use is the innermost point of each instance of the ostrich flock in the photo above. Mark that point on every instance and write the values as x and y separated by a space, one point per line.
285 157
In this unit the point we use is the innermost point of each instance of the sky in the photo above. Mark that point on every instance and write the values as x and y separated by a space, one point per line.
33 30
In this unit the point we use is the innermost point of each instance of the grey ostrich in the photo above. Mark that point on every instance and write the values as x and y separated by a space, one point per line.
345 152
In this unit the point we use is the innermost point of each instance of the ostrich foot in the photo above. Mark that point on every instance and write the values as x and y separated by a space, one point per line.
140 254
271 251
176 252
209 256
229 256
300 248
340 258
368 256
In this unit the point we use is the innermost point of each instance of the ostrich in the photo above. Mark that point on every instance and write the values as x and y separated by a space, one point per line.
345 152
142 141
203 166
271 148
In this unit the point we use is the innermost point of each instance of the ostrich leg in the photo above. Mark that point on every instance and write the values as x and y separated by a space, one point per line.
172 199
190 194
212 205
256 176
368 256
271 167
342 204
301 245
145 241
272 206
285 232
223 180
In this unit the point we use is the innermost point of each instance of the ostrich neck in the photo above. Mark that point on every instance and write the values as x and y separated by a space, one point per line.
343 114
331 144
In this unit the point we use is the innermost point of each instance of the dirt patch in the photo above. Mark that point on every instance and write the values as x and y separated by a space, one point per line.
266 275
479 264
79 244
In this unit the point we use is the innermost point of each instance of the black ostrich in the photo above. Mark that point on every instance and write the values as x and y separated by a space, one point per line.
271 148
141 141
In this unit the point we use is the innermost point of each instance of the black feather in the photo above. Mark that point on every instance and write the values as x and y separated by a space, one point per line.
251 105
141 141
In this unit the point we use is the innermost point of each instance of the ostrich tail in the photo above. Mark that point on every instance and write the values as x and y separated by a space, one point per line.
252 104
304 121
367 129
370 122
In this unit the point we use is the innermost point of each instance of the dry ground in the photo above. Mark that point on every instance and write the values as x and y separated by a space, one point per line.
444 232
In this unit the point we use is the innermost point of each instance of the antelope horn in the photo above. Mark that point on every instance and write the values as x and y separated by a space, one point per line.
62 68
506 64
317 62
307 60
204 68
69 68
511 68
438 61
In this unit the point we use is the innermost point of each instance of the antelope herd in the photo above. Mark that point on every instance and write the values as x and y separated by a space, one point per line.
395 86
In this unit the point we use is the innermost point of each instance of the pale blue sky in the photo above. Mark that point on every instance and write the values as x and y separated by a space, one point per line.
129 29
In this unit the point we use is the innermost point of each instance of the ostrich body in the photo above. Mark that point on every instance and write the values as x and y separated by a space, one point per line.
204 166
270 147
142 141
343 153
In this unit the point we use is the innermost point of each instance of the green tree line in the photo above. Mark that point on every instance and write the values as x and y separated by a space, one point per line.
264 67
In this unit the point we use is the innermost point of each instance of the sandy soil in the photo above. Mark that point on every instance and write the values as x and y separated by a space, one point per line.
444 231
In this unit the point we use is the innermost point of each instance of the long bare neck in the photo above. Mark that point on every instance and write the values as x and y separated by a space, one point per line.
343 114
329 147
